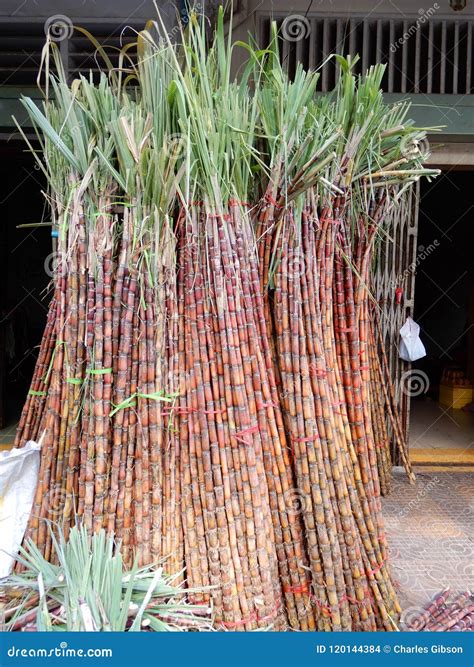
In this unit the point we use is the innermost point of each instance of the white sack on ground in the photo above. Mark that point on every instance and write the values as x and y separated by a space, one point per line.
411 347
18 478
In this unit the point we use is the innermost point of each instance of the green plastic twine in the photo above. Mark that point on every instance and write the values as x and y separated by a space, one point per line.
50 367
132 402
98 371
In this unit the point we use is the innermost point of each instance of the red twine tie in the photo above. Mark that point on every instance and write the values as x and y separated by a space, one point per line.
243 621
186 410
272 201
310 438
376 569
318 372
254 616
246 431
236 202
267 404
345 329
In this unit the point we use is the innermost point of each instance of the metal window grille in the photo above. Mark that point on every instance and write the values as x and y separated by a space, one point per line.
21 45
423 54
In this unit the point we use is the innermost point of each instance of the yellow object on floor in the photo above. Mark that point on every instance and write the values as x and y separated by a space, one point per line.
452 457
453 396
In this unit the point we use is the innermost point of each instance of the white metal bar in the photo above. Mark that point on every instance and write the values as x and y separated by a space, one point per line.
429 83
379 38
469 58
352 38
365 45
391 63
442 78
285 53
312 45
325 54
456 58
296 55
417 60
404 59
339 41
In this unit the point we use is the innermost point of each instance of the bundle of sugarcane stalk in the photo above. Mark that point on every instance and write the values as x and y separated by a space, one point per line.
316 252
385 417
207 388
442 615
102 378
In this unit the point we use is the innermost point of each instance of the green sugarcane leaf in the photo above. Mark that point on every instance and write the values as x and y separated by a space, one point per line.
112 169
41 121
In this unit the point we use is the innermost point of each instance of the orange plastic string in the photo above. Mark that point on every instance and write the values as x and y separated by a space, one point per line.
300 588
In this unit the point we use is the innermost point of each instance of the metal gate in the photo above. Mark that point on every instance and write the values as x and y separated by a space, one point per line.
394 290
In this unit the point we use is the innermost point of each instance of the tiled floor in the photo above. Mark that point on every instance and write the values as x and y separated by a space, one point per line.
430 531
430 525
433 426
7 434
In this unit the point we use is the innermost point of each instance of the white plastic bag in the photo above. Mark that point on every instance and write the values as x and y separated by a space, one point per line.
18 478
411 347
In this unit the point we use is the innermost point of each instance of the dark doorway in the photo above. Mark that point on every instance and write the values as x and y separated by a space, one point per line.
444 309
25 263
